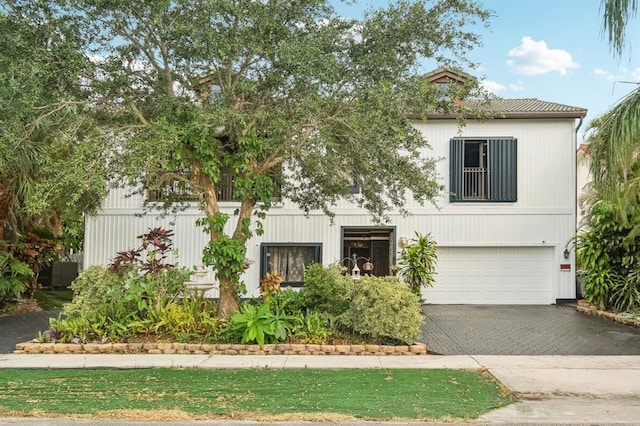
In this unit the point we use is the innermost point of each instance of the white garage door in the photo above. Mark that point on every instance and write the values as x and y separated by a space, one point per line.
490 275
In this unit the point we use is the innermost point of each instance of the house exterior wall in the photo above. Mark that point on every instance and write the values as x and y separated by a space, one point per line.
543 215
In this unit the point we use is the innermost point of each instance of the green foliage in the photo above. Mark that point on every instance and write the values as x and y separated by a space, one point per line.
134 296
287 301
50 168
260 324
92 291
37 250
14 275
71 329
311 327
293 83
609 253
326 289
624 295
191 319
384 307
417 263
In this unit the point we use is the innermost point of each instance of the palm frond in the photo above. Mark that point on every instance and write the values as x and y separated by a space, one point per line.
616 15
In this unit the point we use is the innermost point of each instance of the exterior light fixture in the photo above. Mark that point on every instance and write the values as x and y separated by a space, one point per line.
566 253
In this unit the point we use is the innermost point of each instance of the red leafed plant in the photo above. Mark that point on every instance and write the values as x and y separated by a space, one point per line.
157 243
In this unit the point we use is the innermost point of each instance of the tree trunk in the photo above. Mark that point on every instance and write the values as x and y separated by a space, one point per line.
228 303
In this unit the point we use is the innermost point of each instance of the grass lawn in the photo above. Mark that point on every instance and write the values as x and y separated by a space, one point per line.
166 394
53 299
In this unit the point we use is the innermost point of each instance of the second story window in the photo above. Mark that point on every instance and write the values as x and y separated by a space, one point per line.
179 191
483 169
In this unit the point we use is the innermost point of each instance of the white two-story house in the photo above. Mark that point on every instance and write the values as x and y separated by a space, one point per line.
503 227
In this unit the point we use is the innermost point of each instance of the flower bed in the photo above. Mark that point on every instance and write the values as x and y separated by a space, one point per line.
217 349
589 309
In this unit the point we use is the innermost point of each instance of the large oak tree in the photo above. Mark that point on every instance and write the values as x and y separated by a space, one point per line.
285 96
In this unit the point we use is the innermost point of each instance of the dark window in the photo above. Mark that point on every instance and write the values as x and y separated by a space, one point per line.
289 260
483 170
179 191
173 191
225 190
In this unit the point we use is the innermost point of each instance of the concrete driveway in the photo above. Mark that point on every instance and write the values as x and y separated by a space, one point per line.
524 330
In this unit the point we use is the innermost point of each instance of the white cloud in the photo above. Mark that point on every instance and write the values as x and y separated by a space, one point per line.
600 72
516 87
495 87
535 58
492 86
621 75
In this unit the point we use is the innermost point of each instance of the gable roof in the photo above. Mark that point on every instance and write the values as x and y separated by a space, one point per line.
502 108
447 75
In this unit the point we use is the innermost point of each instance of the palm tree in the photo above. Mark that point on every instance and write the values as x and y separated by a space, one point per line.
17 172
615 138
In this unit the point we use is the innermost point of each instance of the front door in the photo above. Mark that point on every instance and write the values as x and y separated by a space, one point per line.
368 246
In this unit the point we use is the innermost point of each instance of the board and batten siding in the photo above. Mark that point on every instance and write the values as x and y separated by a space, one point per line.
543 215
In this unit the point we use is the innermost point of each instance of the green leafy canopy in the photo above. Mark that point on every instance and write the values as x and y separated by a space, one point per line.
287 97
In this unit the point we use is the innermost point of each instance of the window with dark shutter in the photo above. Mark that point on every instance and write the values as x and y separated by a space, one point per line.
483 169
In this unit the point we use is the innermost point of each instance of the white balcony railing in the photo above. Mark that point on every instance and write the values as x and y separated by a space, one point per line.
475 183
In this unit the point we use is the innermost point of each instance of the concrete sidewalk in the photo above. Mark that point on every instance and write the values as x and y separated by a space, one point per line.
554 389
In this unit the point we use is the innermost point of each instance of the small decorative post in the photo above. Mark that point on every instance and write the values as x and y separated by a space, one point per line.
355 270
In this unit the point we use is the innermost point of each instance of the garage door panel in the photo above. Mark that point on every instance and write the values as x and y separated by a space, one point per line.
490 275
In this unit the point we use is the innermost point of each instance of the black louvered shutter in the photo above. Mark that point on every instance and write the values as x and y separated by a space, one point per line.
502 170
456 169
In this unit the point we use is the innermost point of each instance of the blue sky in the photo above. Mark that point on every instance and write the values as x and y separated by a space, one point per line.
552 50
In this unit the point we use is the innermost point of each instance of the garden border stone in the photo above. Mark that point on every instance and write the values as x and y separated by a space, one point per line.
590 309
217 349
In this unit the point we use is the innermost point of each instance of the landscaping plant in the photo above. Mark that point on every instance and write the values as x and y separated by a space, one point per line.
385 308
609 253
13 276
260 324
418 262
326 290
139 293
270 284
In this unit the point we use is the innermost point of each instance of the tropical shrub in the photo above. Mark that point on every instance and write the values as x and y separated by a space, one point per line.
137 293
287 301
151 256
624 295
13 276
190 319
270 284
92 291
609 254
259 324
311 327
326 289
385 308
417 263
35 250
